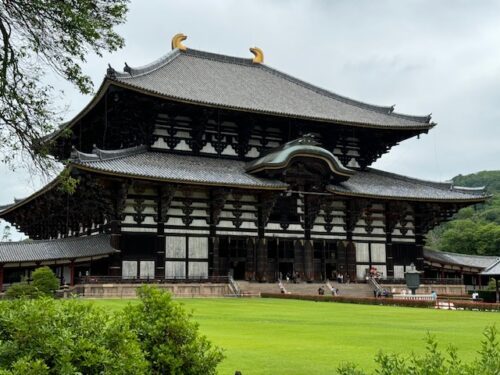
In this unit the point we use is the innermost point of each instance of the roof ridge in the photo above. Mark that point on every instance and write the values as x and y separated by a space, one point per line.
99 155
65 239
130 72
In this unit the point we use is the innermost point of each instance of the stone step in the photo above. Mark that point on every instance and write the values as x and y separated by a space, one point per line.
352 290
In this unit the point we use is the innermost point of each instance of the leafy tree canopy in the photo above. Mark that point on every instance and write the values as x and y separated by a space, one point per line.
38 35
473 230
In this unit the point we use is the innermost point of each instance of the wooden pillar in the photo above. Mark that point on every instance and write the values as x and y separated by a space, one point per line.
261 253
498 292
72 273
115 264
308 260
213 256
250 261
1 277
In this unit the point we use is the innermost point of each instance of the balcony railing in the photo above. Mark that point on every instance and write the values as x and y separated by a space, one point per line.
121 280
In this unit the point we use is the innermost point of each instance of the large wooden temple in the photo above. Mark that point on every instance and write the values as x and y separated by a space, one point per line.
201 164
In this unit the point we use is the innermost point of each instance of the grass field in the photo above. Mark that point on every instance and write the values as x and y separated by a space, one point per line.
270 336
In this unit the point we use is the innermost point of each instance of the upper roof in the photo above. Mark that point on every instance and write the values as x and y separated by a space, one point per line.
141 163
379 184
61 249
237 83
305 146
443 257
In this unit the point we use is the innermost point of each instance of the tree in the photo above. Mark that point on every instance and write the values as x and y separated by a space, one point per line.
48 336
38 35
169 340
6 234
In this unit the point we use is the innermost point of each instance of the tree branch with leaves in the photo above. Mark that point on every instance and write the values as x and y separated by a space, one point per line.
38 36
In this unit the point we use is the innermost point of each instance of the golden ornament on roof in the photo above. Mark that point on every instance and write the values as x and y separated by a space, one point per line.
258 55
177 41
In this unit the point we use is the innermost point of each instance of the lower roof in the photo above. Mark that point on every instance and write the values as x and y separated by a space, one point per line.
52 250
456 259
141 163
373 183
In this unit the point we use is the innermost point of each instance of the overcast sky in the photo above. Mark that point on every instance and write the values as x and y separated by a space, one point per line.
439 57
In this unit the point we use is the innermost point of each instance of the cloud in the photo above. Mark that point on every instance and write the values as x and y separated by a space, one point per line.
424 56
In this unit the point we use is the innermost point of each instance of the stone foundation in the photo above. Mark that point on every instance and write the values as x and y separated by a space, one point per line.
129 290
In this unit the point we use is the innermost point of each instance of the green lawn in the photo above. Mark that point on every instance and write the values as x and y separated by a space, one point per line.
271 336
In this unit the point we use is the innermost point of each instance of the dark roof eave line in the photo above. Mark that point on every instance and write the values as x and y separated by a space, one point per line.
183 182
31 197
424 127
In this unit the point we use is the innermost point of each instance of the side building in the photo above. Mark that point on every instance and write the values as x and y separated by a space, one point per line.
201 165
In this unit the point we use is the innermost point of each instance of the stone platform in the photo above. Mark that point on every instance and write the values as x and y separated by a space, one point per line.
120 290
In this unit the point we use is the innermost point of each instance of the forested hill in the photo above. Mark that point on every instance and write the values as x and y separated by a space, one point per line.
474 230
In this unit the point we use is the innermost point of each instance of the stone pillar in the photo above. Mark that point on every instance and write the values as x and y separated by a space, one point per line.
261 255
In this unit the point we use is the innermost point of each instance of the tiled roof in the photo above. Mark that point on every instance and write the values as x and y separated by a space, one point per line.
61 249
236 83
493 269
443 257
379 184
138 162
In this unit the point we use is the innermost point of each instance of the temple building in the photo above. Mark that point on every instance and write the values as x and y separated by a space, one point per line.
201 165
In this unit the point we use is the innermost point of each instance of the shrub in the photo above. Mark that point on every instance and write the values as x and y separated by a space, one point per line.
45 281
22 290
47 336
358 300
434 362
169 340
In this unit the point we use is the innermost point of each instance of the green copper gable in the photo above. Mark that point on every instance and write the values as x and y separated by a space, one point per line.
305 147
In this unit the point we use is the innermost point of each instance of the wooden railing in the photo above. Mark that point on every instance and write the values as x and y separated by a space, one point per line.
426 281
120 280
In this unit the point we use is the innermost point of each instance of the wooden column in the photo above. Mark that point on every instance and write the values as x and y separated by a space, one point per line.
250 261
498 292
390 223
72 273
261 255
115 264
308 260
1 277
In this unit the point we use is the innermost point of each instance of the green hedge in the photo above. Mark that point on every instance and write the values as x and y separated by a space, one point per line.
357 300
466 305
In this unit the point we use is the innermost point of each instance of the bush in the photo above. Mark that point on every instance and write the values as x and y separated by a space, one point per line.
169 340
45 281
22 290
358 300
47 336
433 362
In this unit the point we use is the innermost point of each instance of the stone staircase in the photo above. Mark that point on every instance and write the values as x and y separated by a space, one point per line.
251 289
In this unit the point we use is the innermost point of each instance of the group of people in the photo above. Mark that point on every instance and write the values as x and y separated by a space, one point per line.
294 277
341 278
321 291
